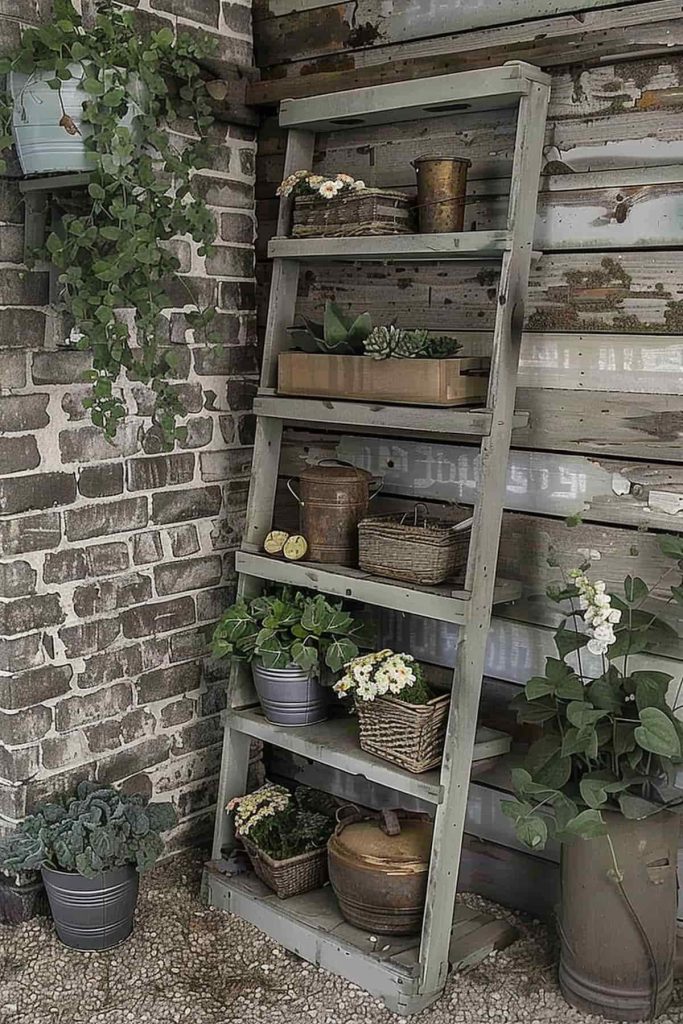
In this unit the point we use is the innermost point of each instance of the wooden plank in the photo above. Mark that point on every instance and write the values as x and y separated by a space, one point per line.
476 422
653 27
305 33
611 491
465 244
445 602
390 104
586 292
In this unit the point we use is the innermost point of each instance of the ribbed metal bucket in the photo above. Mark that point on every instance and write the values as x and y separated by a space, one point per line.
618 942
44 146
290 696
92 913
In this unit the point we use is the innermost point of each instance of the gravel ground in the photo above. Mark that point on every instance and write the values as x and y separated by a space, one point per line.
188 963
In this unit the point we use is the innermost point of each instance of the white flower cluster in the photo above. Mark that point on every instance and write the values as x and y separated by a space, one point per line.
374 675
598 613
328 188
254 807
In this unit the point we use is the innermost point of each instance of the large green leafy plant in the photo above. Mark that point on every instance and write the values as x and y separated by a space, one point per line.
112 251
96 830
289 627
612 740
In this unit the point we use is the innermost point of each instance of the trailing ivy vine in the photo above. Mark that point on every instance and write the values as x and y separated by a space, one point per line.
113 253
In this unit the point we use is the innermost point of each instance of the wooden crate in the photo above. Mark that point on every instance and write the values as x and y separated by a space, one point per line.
371 211
412 381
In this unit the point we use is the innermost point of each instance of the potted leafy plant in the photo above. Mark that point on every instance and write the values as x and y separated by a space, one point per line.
345 356
602 771
90 849
400 718
288 637
286 836
101 100
22 895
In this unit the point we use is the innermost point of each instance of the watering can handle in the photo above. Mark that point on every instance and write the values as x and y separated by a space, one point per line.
290 488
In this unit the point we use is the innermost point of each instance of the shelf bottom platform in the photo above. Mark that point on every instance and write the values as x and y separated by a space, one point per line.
311 926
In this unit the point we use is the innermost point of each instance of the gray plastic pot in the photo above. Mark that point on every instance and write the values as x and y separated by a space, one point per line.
92 913
290 696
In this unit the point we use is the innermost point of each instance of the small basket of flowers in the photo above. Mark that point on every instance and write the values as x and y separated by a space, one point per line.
338 205
285 836
400 718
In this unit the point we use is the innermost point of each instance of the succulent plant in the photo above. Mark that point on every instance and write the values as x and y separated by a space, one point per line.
96 830
396 343
339 334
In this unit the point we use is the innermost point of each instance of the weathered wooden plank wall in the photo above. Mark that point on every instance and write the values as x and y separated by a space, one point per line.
602 359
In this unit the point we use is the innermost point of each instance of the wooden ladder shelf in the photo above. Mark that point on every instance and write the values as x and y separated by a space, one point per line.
408 973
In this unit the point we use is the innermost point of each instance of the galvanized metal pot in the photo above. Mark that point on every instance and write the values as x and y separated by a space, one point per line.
616 959
92 913
378 869
290 696
45 142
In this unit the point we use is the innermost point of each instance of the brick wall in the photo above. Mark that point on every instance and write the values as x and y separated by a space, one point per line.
116 561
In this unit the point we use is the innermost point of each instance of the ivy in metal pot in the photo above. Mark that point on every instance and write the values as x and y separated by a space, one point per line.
611 732
112 252
96 830
289 627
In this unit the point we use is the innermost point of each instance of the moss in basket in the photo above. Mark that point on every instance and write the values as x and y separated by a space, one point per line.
385 674
283 825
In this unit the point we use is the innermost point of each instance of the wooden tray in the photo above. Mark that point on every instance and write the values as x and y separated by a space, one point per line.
457 381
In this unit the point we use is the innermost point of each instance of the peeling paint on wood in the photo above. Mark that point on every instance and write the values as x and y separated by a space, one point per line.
639 28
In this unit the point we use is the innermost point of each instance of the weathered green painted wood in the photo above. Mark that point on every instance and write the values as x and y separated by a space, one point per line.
428 98
443 602
385 248
385 417
335 743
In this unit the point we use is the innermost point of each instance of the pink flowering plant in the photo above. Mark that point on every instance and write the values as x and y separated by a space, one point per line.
611 738
305 183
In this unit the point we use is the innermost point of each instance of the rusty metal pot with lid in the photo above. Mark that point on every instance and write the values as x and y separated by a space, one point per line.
334 498
378 866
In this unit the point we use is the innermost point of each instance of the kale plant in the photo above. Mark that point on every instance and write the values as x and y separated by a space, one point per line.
96 830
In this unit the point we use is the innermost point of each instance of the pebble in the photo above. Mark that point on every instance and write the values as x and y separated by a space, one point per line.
185 963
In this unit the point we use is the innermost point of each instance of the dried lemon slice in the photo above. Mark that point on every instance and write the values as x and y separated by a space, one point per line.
275 541
295 547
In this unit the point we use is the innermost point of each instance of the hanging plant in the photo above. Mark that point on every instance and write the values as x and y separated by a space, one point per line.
112 252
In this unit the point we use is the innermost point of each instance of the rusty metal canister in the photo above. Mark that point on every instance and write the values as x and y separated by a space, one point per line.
378 869
333 499
441 191
618 923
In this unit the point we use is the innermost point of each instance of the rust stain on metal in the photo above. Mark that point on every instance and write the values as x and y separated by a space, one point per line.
659 99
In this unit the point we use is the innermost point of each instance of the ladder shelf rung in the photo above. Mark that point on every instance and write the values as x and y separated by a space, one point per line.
312 926
443 602
437 96
335 743
406 418
447 246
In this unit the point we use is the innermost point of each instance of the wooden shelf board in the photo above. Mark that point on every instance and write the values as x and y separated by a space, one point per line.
405 418
335 743
383 248
311 926
442 602
481 89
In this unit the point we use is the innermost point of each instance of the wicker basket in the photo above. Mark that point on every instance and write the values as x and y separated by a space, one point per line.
413 547
410 735
288 877
370 212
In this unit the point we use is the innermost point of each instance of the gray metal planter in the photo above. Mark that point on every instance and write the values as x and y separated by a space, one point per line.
618 941
92 913
290 696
